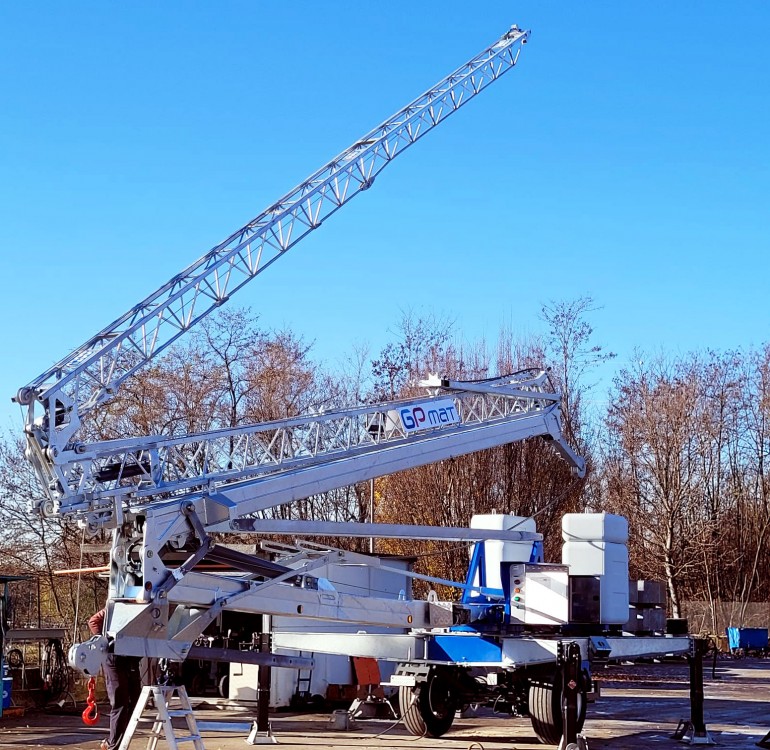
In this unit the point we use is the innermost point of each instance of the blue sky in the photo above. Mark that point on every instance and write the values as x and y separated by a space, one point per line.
627 158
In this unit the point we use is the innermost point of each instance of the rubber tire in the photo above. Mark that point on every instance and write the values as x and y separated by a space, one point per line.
433 710
545 696
14 658
196 684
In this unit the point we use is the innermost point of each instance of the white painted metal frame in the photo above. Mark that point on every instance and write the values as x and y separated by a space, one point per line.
516 652
337 449
157 491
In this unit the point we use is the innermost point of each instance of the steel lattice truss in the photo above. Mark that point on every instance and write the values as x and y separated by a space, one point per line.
91 374
138 470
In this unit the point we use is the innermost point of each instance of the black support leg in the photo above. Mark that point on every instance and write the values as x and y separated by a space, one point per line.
261 733
570 665
694 731
263 687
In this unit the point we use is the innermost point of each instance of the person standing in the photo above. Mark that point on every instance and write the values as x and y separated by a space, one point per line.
121 676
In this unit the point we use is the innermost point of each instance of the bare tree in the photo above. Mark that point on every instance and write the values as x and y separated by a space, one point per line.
654 469
418 349
751 483
39 547
686 449
573 354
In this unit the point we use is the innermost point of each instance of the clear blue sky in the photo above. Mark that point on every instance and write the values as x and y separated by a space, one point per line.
627 157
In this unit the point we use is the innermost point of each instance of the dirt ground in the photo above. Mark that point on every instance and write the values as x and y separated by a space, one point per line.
640 707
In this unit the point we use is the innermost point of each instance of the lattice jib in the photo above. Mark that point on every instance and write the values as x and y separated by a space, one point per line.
191 295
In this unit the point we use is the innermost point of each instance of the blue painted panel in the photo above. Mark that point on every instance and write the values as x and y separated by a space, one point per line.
460 648
753 638
476 564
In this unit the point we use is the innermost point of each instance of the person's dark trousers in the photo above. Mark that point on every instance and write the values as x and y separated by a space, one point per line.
121 675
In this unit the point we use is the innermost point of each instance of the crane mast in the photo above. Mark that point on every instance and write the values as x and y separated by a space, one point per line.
90 375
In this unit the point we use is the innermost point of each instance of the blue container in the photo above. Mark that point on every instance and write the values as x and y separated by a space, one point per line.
747 638
7 684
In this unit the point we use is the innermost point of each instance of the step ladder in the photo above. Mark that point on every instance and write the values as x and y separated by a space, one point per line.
304 679
168 706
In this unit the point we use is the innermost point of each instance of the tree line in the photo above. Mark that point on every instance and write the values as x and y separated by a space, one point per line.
679 447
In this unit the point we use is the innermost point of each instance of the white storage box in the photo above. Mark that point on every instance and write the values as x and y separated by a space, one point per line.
596 559
602 527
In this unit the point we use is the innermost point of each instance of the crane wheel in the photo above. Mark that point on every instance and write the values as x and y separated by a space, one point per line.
545 709
428 709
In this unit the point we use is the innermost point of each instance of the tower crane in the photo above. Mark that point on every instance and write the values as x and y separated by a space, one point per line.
158 492
164 496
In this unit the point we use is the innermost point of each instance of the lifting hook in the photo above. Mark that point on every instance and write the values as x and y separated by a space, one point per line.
91 712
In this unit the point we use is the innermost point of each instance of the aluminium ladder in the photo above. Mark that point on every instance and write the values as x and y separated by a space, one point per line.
168 707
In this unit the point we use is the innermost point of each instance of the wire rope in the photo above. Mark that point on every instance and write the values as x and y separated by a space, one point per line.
77 589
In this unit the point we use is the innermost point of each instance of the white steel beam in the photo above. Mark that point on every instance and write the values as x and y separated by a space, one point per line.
381 530
137 470
268 492
516 652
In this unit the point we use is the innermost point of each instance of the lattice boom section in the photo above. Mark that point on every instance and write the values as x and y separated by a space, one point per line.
226 456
